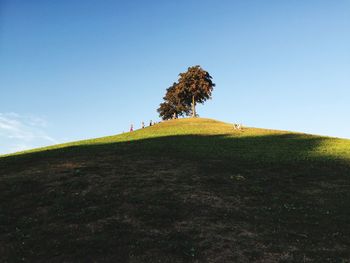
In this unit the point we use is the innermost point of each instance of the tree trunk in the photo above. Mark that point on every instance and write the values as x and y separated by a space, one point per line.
193 108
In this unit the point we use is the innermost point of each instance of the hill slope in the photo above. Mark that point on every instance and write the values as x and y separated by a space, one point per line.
188 190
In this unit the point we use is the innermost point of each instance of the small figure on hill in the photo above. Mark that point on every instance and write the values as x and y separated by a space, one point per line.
150 123
237 126
131 128
143 125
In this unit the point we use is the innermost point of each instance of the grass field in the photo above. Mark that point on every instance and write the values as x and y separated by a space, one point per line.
187 190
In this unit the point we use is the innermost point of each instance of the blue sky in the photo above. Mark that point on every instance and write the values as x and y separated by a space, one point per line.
72 70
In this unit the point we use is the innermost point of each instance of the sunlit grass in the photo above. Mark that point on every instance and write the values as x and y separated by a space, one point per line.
272 142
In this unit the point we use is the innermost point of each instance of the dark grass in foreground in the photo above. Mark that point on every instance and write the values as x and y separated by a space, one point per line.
182 191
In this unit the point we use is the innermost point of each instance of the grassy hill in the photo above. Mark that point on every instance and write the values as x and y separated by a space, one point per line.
187 190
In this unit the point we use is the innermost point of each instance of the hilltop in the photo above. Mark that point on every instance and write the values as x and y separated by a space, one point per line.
186 190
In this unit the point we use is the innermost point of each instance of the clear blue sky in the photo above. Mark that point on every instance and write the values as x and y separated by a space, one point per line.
79 69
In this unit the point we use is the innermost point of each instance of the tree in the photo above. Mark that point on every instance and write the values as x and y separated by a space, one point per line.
166 111
173 105
195 86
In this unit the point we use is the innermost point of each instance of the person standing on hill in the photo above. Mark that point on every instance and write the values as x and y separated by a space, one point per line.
143 125
150 123
131 128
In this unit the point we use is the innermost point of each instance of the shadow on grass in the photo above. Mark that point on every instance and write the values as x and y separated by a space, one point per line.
177 199
268 150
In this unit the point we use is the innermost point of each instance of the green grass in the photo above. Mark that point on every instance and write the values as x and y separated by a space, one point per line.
275 140
187 190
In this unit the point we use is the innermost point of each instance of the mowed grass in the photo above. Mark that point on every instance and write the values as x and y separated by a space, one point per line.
187 190
270 143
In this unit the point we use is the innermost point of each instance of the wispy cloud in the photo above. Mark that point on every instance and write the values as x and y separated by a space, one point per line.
19 132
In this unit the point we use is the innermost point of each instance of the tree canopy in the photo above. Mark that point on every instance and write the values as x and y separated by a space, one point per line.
193 86
173 105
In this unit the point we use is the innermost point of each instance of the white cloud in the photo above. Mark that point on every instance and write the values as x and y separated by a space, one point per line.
18 132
